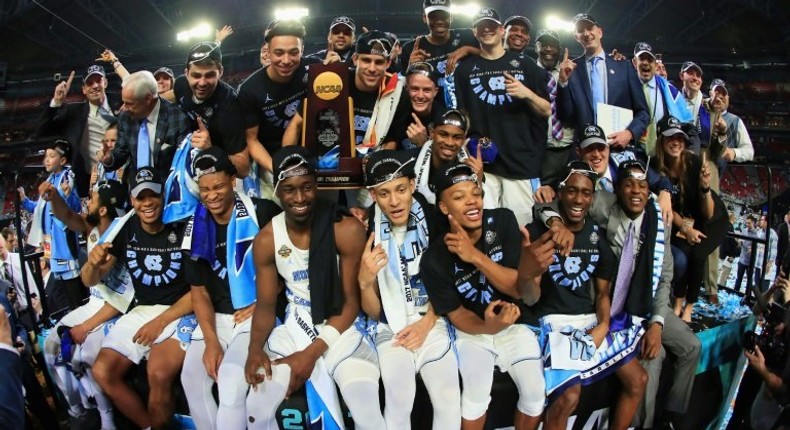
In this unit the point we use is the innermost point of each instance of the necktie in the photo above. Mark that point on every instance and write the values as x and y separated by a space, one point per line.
605 184
143 146
624 272
556 125
105 114
596 85
649 140
7 273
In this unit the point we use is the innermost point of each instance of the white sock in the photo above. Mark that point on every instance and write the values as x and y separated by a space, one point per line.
107 422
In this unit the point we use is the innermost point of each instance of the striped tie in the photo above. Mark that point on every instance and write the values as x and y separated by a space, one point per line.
556 125
624 272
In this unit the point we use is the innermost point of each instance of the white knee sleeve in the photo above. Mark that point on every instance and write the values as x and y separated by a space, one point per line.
358 381
528 376
476 365
197 387
441 381
263 401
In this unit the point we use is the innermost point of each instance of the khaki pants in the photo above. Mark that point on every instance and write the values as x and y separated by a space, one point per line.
712 265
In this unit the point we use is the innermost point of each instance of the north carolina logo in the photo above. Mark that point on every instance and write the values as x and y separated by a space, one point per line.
591 130
284 251
327 86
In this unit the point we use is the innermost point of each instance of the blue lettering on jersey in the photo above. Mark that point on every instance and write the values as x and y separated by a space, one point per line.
299 275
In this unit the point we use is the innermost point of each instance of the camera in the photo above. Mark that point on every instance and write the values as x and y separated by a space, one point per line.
771 342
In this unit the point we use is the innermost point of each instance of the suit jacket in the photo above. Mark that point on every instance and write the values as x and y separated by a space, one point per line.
782 242
172 126
607 213
12 402
575 105
68 121
16 272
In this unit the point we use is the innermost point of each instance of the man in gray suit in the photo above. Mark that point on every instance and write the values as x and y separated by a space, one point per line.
648 290
648 294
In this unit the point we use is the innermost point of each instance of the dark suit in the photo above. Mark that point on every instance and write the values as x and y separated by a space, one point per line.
68 121
575 102
782 243
172 126
12 402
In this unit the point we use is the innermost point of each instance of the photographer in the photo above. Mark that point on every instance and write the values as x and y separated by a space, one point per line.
772 363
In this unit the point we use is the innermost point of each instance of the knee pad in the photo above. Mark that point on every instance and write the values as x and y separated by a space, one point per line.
231 385
353 370
528 376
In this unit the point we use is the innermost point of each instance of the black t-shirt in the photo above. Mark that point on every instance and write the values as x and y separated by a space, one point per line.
214 277
271 105
568 287
397 132
155 262
452 283
219 113
519 134
345 56
438 53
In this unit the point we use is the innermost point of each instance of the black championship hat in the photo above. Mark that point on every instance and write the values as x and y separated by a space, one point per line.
631 169
387 165
374 42
453 173
113 195
486 14
146 178
204 50
518 19
343 20
545 33
290 161
592 134
212 160
429 6
670 126
94 70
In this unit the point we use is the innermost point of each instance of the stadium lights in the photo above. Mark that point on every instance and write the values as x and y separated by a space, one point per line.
468 9
556 23
291 13
200 31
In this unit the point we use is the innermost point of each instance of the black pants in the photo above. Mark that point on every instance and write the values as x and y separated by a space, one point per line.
749 270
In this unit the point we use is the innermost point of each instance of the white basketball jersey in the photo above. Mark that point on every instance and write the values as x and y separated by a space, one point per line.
292 263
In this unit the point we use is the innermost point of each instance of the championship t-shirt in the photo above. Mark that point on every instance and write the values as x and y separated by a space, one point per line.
438 53
271 105
518 133
219 113
214 277
567 287
452 283
397 132
154 261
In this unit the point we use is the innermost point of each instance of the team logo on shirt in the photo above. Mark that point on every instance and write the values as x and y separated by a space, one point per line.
284 251
594 238
490 237
172 237
514 63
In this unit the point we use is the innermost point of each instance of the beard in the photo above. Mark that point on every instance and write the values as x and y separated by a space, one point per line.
92 219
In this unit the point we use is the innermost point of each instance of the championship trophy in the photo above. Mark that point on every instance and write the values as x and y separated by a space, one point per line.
328 130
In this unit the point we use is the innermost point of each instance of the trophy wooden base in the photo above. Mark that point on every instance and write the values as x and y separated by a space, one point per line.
347 176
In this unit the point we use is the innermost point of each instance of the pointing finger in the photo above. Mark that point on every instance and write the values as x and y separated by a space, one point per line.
525 233
68 81
416 119
565 58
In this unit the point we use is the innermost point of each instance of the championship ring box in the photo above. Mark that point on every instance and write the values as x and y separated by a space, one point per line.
328 130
